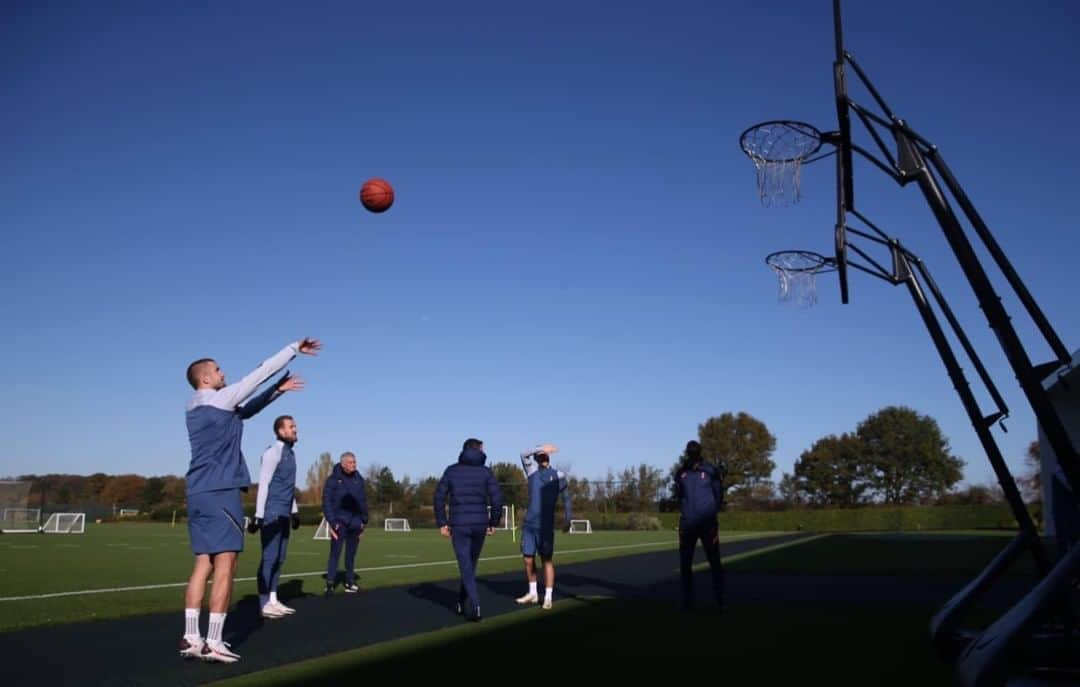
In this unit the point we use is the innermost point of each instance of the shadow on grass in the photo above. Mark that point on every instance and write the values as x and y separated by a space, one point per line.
748 644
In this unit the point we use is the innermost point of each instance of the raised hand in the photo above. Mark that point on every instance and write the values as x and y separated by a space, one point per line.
310 346
290 383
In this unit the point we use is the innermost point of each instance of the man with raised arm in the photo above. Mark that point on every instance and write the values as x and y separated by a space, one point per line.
216 476
545 484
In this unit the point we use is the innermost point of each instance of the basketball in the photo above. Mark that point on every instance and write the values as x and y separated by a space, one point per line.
377 195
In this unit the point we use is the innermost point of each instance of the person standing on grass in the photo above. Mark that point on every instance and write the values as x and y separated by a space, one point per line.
216 476
700 492
275 513
346 511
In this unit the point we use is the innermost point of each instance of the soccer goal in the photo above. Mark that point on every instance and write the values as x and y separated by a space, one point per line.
21 520
506 521
397 525
580 527
322 531
65 523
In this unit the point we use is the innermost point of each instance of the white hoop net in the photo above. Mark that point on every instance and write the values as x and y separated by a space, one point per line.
778 150
796 271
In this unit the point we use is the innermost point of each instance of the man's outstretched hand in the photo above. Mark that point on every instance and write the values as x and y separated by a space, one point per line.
309 346
290 383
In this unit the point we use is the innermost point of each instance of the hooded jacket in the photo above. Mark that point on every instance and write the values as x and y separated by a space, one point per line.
470 489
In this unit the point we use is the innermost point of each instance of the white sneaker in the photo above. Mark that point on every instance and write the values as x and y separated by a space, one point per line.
287 610
191 648
272 611
527 599
547 602
219 652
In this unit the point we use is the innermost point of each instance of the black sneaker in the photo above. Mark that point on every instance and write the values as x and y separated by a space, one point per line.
351 587
329 589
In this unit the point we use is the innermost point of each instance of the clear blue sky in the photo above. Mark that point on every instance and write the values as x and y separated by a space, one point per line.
576 252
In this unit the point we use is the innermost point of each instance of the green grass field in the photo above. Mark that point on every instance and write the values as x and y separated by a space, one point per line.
840 644
751 643
76 568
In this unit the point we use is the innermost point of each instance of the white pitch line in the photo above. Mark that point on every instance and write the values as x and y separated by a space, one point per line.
401 566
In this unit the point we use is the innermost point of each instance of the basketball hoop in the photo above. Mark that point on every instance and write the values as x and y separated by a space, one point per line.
796 270
778 150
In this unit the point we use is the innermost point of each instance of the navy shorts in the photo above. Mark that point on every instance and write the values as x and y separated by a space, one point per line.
215 521
535 540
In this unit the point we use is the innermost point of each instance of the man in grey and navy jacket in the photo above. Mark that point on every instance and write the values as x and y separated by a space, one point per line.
346 511
475 500
700 491
275 513
215 477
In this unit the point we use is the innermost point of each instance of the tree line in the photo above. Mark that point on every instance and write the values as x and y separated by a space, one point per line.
894 456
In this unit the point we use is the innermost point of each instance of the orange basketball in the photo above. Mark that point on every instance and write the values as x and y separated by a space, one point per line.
377 195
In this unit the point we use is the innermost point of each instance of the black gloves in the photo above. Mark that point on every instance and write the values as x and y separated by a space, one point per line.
254 525
295 518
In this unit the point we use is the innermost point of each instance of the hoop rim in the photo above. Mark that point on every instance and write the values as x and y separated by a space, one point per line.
803 127
821 263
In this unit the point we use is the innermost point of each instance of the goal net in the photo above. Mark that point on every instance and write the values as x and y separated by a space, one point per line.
397 525
15 516
322 531
506 520
65 523
580 527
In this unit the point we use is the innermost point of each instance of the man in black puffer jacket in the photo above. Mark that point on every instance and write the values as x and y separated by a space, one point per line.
476 503
699 488
346 512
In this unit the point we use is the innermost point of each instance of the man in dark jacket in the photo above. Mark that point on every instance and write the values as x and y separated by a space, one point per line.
700 491
476 503
345 509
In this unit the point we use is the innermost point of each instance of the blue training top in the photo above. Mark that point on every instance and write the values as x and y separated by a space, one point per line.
215 427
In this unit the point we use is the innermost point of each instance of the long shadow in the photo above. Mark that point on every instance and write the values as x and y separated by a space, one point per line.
245 618
436 594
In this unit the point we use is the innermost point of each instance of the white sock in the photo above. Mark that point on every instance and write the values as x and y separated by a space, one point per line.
263 600
273 597
547 593
191 623
532 588
217 624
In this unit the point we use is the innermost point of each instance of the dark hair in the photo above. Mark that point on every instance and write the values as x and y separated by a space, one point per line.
543 457
693 451
472 443
193 371
280 420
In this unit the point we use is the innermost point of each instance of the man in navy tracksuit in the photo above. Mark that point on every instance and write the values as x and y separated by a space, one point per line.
700 491
275 512
345 509
476 504
216 476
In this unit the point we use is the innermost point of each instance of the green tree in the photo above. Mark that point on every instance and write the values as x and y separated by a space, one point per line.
511 479
742 445
908 457
833 472
1031 481
153 493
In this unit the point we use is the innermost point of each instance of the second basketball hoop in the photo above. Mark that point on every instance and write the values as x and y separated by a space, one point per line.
796 270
